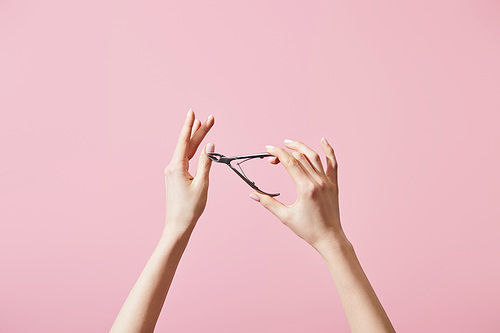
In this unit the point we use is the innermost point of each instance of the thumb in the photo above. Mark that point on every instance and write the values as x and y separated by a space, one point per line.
271 204
204 164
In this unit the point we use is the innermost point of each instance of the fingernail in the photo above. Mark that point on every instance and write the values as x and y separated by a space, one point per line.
288 141
254 197
324 141
269 147
210 148
190 110
210 117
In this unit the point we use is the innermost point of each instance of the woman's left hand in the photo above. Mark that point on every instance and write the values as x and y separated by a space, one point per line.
187 195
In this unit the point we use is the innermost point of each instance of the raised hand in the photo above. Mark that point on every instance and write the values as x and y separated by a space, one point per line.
315 215
186 196
315 218
186 200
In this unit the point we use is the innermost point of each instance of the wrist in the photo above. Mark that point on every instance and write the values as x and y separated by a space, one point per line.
176 233
335 243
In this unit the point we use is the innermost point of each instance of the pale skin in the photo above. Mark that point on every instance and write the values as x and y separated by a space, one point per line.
314 217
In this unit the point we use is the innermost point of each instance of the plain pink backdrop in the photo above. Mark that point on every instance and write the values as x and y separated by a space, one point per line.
92 98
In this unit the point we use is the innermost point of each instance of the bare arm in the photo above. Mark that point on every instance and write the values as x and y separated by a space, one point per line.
186 200
362 307
140 311
315 218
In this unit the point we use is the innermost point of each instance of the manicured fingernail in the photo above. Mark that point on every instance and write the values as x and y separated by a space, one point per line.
190 110
254 197
324 141
269 147
288 141
210 117
210 148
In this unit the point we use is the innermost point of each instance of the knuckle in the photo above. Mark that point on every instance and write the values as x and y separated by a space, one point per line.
315 157
172 169
322 185
309 189
299 156
316 192
292 163
317 188
333 162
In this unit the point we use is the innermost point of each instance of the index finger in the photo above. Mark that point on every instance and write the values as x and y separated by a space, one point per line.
181 150
293 167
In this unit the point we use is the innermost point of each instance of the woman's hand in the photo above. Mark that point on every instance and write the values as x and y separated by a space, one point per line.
186 199
315 214
187 195
315 218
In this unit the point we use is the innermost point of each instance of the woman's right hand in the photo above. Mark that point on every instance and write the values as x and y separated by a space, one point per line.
315 215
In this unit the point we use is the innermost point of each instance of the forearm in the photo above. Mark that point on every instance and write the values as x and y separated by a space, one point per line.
140 311
362 307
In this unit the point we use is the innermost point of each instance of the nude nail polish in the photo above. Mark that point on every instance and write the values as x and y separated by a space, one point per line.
254 197
210 148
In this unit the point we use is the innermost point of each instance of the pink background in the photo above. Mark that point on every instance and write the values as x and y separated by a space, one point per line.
92 98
